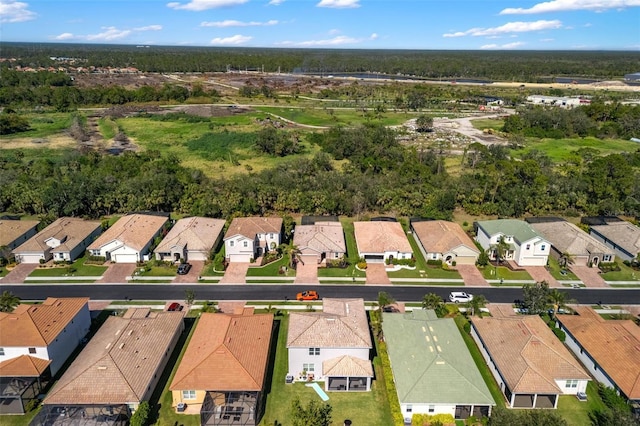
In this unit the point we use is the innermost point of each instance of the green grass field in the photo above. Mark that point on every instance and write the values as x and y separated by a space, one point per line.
625 273
327 116
81 270
487 123
502 272
561 150
43 125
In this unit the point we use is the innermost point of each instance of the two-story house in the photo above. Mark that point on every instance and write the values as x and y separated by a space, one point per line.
524 245
250 237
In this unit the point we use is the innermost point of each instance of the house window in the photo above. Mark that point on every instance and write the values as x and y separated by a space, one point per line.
409 408
32 350
528 246
309 368
606 258
1 351
271 236
231 243
572 383
432 408
314 351
543 247
188 394
246 244
434 256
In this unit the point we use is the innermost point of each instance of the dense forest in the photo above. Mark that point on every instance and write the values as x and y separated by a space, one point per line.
523 66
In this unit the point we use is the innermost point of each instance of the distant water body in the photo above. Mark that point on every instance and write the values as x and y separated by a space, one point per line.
374 76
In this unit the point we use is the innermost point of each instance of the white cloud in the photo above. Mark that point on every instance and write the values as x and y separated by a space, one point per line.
64 36
335 41
233 40
200 5
547 40
503 46
233 23
511 27
149 28
275 2
571 5
334 31
339 4
108 34
15 11
373 36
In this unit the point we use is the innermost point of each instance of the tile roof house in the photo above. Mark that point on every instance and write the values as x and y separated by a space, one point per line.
527 247
119 367
129 239
67 238
530 364
432 368
446 241
332 346
323 240
566 237
378 241
191 238
623 237
35 341
250 237
609 349
223 371
15 232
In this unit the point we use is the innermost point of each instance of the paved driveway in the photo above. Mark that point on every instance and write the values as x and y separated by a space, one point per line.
307 270
471 276
192 276
235 273
377 274
118 273
589 276
19 273
540 273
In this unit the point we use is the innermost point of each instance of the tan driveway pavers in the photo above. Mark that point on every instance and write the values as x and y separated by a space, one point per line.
235 273
590 277
471 276
19 273
118 273
540 273
193 274
307 270
377 274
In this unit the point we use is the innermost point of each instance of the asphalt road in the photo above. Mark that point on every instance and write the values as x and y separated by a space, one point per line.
271 292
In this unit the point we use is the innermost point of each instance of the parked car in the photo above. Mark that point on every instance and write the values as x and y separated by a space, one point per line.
460 297
307 295
175 306
183 269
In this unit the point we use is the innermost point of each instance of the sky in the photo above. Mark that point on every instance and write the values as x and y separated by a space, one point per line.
341 24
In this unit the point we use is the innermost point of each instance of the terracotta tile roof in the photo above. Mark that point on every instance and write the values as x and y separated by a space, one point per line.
347 366
226 353
440 236
527 353
378 237
341 324
70 231
194 233
322 237
118 364
23 366
568 238
252 226
613 344
134 231
10 230
38 325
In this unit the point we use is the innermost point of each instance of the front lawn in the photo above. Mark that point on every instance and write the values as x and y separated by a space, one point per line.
562 274
423 270
77 269
362 408
156 271
626 273
272 269
349 271
502 272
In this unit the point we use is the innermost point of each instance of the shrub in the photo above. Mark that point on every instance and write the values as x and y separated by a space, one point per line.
141 416
31 405
42 261
432 420
560 334
433 262
454 263
390 385
362 265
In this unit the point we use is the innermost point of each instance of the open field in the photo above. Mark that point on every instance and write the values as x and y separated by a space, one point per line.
337 116
560 150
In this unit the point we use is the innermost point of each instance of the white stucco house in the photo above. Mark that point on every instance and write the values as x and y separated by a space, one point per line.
331 346
129 239
378 241
191 238
445 241
65 239
526 246
250 237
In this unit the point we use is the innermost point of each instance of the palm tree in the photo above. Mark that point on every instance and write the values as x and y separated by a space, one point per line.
566 259
558 299
501 248
294 253
435 302
476 304
384 299
8 301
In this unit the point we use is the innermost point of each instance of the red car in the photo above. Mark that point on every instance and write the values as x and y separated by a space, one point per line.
307 295
175 306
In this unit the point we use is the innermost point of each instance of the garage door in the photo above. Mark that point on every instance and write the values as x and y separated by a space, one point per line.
124 258
239 257
30 258
465 260
374 258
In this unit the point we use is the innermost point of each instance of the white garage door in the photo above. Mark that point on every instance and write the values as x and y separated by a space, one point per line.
239 257
124 258
465 260
30 258
196 255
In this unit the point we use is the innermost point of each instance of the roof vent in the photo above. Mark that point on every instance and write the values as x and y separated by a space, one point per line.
130 332
121 345
108 346
102 367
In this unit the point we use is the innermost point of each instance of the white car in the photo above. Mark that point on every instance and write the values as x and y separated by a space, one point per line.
460 297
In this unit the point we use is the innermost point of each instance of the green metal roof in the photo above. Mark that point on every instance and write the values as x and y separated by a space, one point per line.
518 229
431 363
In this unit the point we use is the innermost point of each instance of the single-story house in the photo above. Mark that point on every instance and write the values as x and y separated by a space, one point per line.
432 368
65 239
129 239
445 241
322 241
118 369
222 374
609 349
250 237
15 232
530 364
526 246
621 236
35 341
191 238
332 346
565 237
378 241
